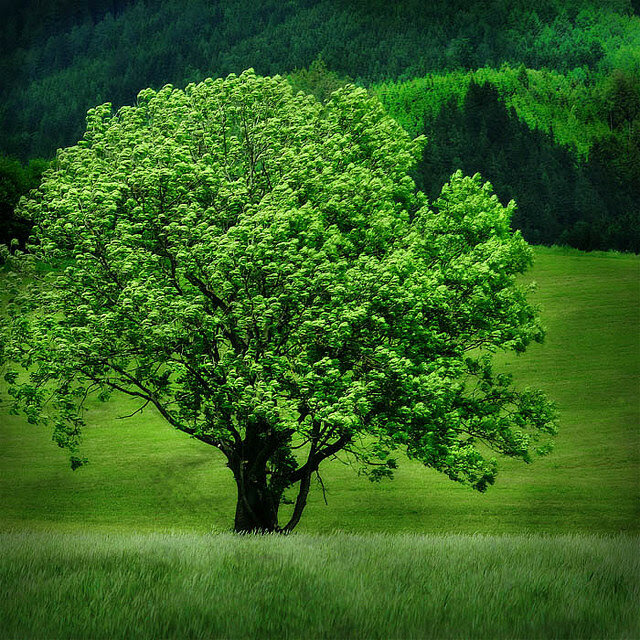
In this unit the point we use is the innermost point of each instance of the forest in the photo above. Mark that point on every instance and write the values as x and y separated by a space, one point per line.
543 100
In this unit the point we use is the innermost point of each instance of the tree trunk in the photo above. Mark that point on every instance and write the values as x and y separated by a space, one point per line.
256 509
301 503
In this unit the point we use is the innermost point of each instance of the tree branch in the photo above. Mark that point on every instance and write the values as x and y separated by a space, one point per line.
138 410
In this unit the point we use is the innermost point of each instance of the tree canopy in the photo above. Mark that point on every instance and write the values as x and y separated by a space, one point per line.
258 268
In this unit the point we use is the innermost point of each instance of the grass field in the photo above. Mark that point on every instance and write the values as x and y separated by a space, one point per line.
144 476
134 544
333 586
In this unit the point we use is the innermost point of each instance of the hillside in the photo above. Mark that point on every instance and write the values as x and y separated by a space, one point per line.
567 151
145 476
558 129
60 58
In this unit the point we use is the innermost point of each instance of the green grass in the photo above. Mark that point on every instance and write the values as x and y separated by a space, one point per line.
565 564
334 586
145 476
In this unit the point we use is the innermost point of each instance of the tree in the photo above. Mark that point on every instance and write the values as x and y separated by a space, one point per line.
317 80
258 267
15 181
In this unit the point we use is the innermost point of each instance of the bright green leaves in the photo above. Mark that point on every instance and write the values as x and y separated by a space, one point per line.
258 267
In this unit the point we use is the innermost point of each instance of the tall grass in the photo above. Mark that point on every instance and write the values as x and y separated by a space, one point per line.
335 586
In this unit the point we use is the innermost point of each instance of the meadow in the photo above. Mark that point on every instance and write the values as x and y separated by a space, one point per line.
306 586
136 543
145 476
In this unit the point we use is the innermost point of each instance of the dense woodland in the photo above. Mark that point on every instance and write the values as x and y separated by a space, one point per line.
575 177
542 99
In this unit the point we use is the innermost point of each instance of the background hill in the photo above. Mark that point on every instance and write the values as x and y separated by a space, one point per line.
559 131
62 57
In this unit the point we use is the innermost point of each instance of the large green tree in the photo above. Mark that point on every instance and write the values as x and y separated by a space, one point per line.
258 268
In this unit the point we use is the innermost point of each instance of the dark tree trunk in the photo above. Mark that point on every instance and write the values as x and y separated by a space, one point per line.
301 503
259 498
257 507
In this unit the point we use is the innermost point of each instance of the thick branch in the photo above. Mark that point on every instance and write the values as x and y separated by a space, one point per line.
317 457
202 287
301 503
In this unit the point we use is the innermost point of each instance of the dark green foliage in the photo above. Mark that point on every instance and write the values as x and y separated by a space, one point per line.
615 159
561 198
16 180
317 80
31 22
64 56
58 58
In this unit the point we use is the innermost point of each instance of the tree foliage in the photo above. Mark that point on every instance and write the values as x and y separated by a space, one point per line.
257 267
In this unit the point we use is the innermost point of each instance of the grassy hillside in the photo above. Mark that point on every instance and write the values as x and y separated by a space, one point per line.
338 586
143 475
